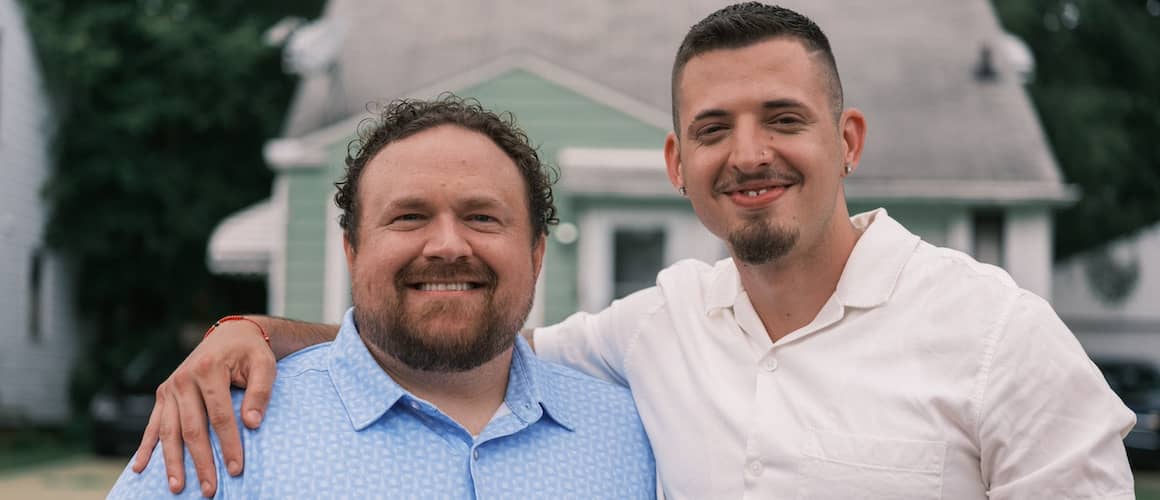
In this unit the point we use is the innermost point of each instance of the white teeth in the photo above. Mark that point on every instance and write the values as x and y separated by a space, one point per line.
754 194
445 287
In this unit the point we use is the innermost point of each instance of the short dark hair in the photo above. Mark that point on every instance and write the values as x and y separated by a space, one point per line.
406 117
744 24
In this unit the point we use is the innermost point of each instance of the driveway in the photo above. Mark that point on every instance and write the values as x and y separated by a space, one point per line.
80 478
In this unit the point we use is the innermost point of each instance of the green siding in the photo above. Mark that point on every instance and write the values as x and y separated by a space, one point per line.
554 118
305 243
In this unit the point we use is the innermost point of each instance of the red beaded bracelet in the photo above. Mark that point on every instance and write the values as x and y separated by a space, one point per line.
227 319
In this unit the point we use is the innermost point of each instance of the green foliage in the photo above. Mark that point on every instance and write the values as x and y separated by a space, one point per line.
162 109
1097 90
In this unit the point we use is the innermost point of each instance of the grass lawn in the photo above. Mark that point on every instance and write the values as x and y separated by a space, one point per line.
30 447
1147 484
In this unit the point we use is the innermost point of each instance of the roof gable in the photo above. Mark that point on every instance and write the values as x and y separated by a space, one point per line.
907 64
557 108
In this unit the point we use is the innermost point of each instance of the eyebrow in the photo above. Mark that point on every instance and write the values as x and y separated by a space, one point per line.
481 202
767 105
472 203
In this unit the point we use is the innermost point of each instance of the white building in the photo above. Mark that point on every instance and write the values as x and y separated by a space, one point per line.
954 151
1110 296
37 342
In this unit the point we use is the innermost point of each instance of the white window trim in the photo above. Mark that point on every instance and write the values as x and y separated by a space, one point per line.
336 284
684 238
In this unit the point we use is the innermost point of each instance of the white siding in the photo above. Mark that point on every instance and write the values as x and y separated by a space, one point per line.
1127 326
34 372
1027 251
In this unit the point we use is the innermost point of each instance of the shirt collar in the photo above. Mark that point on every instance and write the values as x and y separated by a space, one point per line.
724 286
869 276
365 389
876 263
367 392
531 391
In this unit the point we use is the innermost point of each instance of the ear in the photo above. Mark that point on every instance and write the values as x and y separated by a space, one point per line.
348 249
853 130
673 160
538 256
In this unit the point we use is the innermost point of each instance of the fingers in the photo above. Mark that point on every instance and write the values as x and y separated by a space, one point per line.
149 439
215 391
194 429
169 430
260 381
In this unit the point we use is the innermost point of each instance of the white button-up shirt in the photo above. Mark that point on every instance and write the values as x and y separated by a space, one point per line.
926 375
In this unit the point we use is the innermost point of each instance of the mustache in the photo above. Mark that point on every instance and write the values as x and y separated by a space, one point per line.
726 183
457 271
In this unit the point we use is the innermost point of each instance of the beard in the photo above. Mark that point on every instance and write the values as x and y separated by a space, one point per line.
412 337
759 242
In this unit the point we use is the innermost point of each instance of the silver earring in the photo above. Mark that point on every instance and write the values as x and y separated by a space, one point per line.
847 169
683 191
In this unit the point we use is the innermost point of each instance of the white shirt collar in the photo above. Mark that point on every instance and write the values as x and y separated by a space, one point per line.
868 279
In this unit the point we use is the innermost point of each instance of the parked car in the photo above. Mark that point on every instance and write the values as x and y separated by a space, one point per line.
120 411
1137 382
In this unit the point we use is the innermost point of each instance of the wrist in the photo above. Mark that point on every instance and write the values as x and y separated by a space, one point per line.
227 319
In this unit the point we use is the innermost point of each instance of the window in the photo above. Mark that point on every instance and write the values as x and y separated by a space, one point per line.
620 249
638 254
989 241
35 276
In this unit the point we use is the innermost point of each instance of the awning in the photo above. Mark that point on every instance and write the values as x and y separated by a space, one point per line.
245 241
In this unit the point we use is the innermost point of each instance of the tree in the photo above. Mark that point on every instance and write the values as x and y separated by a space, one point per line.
162 109
1096 82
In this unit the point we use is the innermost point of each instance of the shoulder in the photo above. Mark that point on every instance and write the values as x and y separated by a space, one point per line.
300 376
584 389
951 272
313 359
590 404
691 277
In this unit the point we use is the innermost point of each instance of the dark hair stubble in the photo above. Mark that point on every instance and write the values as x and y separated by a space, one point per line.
744 24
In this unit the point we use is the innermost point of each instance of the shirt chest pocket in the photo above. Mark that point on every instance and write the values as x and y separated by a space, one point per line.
852 466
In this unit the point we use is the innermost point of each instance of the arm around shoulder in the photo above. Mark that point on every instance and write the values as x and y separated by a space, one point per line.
597 344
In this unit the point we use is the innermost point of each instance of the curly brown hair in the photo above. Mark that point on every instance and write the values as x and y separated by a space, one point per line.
406 117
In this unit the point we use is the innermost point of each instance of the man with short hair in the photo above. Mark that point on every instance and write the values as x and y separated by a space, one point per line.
427 392
831 356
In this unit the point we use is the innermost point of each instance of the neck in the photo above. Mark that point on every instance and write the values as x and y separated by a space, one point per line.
470 397
788 293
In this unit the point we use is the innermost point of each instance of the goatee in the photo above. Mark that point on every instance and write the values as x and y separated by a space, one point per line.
759 242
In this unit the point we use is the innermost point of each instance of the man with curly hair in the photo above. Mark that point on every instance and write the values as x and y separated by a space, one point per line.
428 391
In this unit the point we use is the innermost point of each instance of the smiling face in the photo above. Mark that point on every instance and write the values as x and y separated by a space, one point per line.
445 266
759 151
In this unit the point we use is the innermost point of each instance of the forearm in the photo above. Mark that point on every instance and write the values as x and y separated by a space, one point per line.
288 336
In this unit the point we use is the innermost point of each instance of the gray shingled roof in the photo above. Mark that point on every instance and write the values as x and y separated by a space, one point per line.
907 63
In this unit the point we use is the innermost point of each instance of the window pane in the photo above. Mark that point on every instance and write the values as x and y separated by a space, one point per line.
638 254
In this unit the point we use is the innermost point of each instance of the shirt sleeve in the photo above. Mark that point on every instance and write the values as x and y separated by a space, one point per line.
598 343
1048 424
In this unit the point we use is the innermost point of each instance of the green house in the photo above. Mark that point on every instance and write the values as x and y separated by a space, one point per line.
954 149
621 220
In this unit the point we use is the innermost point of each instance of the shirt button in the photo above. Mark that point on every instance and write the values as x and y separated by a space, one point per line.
755 468
770 364
475 454
415 405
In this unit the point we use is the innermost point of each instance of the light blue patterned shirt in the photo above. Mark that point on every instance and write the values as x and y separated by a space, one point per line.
340 427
